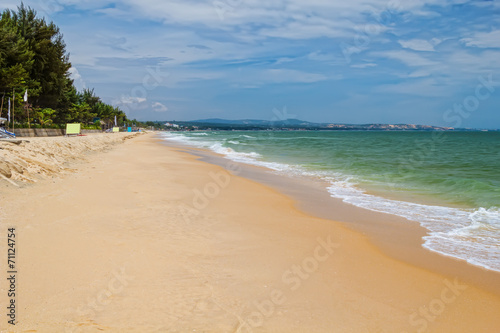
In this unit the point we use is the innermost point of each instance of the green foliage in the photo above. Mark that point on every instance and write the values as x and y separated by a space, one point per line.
91 127
33 56
44 116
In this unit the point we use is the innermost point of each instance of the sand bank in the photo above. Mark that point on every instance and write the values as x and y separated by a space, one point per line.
143 238
33 159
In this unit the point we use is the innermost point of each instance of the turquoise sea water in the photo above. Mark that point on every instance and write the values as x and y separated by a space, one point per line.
449 182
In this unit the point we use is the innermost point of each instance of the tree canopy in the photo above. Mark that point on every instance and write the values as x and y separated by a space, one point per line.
33 56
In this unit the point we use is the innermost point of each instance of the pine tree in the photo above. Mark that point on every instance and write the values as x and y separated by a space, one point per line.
33 56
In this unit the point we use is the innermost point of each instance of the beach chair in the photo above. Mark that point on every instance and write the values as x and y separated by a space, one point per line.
4 134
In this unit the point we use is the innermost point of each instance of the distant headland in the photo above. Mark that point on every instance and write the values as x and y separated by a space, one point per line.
295 124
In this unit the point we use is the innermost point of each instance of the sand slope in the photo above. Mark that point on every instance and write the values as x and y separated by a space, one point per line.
39 158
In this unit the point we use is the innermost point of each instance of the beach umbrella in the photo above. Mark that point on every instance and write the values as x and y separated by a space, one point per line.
115 122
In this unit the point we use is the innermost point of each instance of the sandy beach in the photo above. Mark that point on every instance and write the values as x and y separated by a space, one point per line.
124 234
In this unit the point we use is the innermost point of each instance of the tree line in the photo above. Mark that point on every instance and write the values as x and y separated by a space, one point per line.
33 57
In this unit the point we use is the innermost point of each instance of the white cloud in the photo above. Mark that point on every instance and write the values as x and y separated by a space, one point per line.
419 73
306 29
420 87
417 45
77 79
131 100
291 19
408 58
284 60
245 24
291 75
10 4
158 107
252 34
483 39
436 41
474 64
326 57
366 65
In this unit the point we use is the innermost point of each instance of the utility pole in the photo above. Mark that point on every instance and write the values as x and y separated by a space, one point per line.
13 107
1 107
26 106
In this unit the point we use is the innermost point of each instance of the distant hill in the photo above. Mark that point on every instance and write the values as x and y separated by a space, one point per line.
301 124
255 122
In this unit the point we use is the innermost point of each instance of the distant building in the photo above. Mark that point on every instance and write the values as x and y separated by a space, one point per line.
172 125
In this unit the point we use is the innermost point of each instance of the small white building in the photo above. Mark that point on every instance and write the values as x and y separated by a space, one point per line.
172 125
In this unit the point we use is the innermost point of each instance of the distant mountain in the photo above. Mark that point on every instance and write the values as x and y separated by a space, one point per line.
255 122
217 123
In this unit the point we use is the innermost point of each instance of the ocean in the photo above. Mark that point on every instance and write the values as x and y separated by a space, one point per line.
449 182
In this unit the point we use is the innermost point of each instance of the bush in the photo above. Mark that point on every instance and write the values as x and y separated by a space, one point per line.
91 127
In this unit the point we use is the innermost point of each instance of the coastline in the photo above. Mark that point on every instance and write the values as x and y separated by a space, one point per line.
147 226
397 237
452 199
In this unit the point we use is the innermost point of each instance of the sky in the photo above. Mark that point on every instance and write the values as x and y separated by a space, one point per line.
432 62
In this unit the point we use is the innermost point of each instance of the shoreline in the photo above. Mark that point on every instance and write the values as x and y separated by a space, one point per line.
404 242
129 230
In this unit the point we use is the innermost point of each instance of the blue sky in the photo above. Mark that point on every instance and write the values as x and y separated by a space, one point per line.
430 62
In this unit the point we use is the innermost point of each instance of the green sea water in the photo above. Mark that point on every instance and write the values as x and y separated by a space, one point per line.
447 181
460 168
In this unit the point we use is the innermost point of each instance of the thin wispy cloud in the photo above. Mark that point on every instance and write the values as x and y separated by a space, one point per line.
158 107
484 39
408 58
417 45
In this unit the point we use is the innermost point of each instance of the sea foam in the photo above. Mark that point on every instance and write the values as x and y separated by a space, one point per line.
472 235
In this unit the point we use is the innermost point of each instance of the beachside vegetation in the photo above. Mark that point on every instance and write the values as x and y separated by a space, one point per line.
33 57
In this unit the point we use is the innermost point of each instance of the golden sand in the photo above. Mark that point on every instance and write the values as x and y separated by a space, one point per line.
144 238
